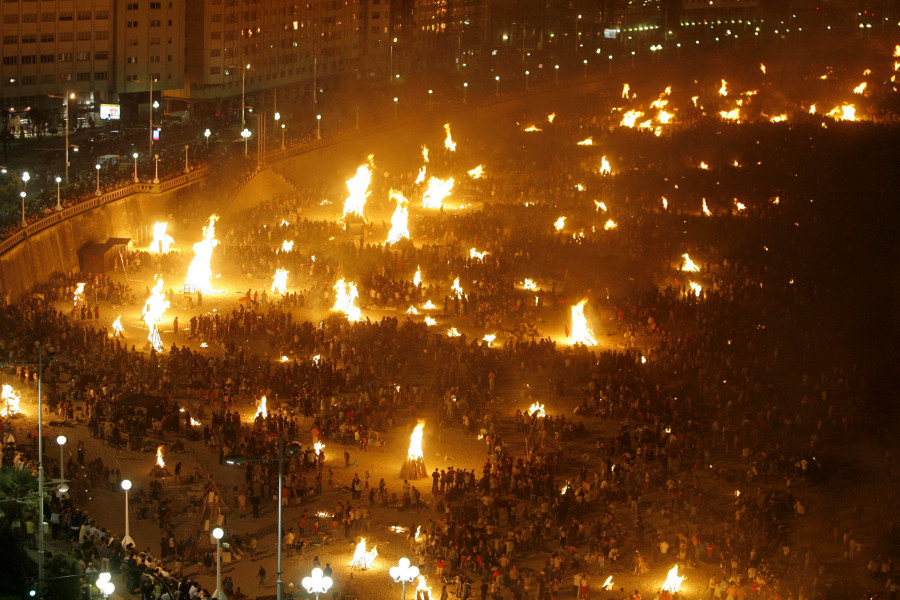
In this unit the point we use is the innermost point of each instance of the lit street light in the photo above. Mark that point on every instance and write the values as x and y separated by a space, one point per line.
555 74
465 91
97 192
126 541
61 441
218 533
134 155
396 100
187 168
317 583
105 584
527 73
246 135
206 134
585 67
282 136
497 82
156 168
318 127
58 204
22 195
402 574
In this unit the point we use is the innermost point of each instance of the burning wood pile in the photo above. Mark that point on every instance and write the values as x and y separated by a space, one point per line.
414 467
159 469
362 558
11 402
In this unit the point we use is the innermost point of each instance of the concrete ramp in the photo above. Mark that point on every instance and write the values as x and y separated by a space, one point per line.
262 186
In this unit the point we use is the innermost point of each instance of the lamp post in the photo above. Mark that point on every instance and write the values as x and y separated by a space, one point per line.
555 74
318 127
283 453
126 485
61 441
156 169
105 585
22 196
577 21
187 169
396 101
134 155
282 136
317 583
497 82
243 88
391 69
58 203
527 73
245 133
69 96
151 114
430 99
465 91
403 573
610 57
584 62
218 533
206 134
97 192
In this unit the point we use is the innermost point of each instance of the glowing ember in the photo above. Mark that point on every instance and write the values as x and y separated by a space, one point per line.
529 284
860 89
762 68
550 117
704 166
199 270
161 240
279 282
673 581
452 332
739 205
345 300
532 128
437 190
262 409
845 112
489 338
586 142
696 288
665 203
287 246
449 144
430 322
812 109
400 219
285 358
473 253
706 210
694 100
778 118
412 310
429 305
12 400
457 289
610 224
537 409
477 172
117 327
605 169
581 333
358 188
731 115
417 278
630 118
723 89
398 529
160 462
689 265
626 91
319 447
78 296
362 558
415 442
152 313
560 223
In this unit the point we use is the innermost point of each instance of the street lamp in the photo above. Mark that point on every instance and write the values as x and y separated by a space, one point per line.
61 441
391 70
153 105
403 573
430 99
126 485
282 136
218 533
465 90
243 88
497 81
97 192
527 73
134 155
555 74
206 134
246 135
58 204
318 127
105 585
22 195
610 57
584 62
70 96
317 583
156 169
396 100
187 169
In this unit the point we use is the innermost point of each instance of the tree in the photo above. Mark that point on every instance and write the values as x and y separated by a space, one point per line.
61 565
18 484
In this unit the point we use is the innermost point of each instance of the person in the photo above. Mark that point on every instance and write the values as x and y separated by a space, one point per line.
327 570
262 576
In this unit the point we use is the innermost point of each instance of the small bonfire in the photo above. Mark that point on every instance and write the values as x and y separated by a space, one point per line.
363 558
159 468
414 467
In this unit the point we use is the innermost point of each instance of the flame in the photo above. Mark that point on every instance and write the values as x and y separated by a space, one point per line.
731 115
861 88
630 118
78 296
161 240
319 447
673 581
581 333
437 190
659 103
560 223
316 359
412 310
195 422
423 589
723 89
418 534
152 313
457 289
285 358
284 223
626 91
605 169
579 187
262 409
489 338
199 270
473 253
449 144
159 457
664 117
429 305
739 205
694 100
415 442
812 109
400 219
665 203
703 165
845 112
532 128
425 150
13 401
345 300
537 408
689 265
453 332
706 210
762 68
550 117
430 322
362 558
477 172
287 246
897 51
421 176
610 224
695 287
279 282
529 284
117 327
417 278
586 142
358 188
778 118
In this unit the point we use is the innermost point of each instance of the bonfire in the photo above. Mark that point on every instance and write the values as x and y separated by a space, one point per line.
362 558
414 467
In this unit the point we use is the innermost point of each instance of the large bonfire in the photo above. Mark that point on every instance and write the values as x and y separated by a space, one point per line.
154 309
581 333
414 467
199 270
399 220
345 297
358 188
